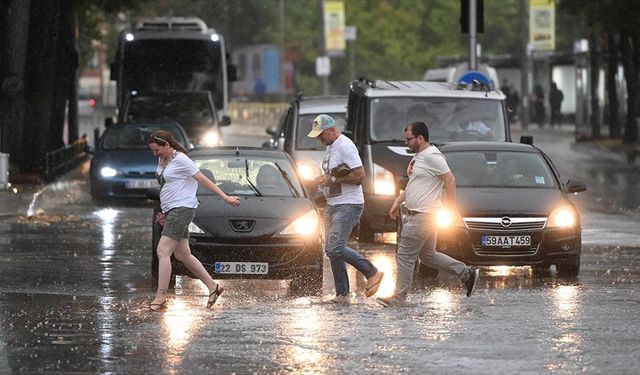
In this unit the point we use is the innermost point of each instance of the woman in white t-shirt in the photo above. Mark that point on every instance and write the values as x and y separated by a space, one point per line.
178 177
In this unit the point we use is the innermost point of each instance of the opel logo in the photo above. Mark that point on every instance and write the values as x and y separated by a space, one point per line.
242 225
506 222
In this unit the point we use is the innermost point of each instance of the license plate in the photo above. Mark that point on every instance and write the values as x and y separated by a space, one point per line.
243 268
506 240
146 183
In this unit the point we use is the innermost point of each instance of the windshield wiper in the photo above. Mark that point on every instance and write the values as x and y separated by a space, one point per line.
246 176
389 141
288 180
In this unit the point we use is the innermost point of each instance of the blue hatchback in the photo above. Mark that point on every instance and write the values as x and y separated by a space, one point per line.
122 164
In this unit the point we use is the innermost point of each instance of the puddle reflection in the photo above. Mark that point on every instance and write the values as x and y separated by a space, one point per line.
304 327
108 217
565 342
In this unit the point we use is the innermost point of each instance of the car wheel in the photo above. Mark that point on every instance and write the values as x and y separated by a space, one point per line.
307 283
540 270
96 195
568 269
366 233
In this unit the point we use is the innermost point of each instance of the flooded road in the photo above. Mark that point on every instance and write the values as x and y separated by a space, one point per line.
75 282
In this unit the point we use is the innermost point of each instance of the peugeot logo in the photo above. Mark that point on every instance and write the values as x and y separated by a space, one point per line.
242 225
506 222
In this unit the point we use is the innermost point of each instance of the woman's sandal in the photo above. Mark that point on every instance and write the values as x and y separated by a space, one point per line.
213 297
158 306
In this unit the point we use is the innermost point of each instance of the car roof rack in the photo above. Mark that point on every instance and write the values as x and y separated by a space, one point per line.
171 24
367 81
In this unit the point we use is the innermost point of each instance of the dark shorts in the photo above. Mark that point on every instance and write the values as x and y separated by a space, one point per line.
177 224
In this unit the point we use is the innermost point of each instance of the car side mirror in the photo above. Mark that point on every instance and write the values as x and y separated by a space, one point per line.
526 139
108 122
272 131
226 121
574 186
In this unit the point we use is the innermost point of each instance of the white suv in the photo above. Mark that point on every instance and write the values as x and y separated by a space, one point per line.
380 110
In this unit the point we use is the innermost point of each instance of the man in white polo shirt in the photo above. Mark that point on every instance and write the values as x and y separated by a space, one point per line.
428 175
345 203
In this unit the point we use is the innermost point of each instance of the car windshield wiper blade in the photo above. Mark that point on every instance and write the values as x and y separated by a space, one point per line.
246 176
293 190
389 141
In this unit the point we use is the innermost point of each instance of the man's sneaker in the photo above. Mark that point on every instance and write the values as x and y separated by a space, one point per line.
390 301
472 281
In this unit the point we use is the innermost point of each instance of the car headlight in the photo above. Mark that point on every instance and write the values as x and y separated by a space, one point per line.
108 172
562 217
383 183
193 228
447 218
308 170
210 139
304 225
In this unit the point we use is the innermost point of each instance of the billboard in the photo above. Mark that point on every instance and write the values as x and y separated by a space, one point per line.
334 28
542 25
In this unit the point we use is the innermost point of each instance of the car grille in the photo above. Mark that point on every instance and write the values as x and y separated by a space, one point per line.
505 226
514 251
505 223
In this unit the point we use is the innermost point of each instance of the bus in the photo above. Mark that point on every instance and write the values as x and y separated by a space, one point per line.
173 54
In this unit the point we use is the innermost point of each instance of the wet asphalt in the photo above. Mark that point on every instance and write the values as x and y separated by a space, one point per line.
75 282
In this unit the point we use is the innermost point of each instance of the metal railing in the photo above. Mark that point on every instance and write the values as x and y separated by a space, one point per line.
65 158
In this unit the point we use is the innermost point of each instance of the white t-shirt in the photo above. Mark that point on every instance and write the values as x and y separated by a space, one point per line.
179 189
342 150
424 189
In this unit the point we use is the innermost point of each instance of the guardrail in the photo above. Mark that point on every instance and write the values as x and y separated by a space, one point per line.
65 158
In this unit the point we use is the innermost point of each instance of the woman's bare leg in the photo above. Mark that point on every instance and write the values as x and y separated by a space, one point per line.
183 254
165 248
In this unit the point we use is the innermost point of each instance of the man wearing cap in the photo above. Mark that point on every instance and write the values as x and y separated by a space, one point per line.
345 203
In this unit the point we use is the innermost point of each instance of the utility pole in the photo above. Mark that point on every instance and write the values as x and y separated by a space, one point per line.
282 50
473 30
525 65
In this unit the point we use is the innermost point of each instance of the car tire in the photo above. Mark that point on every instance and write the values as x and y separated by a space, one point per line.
540 270
568 269
307 283
366 233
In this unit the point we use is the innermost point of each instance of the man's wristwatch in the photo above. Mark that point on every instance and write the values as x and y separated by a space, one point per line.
333 179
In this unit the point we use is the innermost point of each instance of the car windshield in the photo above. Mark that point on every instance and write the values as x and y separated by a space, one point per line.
137 137
251 175
448 119
304 127
188 110
500 169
